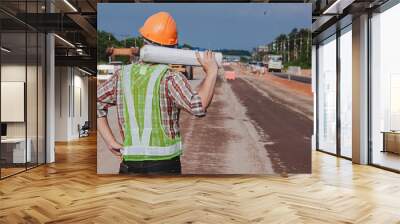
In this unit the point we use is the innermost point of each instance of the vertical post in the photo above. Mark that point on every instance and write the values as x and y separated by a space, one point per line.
369 89
314 90
37 89
26 88
0 95
338 81
50 92
360 90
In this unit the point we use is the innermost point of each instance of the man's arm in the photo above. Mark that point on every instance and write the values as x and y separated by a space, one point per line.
206 88
106 98
180 90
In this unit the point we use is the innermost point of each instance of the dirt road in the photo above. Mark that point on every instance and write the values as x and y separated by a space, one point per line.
225 141
250 127
287 133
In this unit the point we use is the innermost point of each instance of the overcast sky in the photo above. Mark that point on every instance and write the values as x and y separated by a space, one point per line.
225 25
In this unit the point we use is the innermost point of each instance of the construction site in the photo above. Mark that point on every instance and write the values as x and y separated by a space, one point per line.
258 122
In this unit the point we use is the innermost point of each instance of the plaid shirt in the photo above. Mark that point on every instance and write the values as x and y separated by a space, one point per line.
175 94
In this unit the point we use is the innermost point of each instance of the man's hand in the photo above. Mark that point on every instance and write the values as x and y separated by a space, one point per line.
206 88
105 131
115 148
208 62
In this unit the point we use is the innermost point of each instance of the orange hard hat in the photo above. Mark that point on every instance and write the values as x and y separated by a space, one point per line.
160 28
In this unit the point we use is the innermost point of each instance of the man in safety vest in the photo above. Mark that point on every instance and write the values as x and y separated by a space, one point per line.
149 98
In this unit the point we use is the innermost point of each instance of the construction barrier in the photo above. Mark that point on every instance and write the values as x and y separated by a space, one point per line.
294 70
230 75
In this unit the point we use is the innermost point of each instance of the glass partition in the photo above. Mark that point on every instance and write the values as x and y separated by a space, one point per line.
14 155
385 89
327 95
31 97
41 97
346 92
22 88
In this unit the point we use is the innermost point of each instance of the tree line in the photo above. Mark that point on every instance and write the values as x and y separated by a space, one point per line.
294 47
106 39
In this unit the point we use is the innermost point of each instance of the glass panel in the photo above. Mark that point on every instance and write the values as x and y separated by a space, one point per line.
327 95
23 82
31 98
385 84
346 92
41 99
13 87
31 88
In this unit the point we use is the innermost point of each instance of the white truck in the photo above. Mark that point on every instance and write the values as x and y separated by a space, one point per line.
275 63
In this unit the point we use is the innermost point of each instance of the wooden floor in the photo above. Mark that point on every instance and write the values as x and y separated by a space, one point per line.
11 170
70 191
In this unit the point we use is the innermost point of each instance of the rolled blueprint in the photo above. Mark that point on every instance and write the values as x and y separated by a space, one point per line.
165 55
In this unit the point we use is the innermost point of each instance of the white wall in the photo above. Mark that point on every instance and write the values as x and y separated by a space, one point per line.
62 81
80 84
70 83
14 72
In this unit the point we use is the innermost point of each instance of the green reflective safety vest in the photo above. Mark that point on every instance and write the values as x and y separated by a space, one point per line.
145 137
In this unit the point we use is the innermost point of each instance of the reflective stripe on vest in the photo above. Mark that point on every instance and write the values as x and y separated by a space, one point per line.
131 106
141 145
152 150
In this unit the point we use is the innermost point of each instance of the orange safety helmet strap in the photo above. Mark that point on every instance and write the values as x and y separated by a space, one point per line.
160 28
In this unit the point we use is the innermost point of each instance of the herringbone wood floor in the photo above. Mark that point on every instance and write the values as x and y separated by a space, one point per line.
70 191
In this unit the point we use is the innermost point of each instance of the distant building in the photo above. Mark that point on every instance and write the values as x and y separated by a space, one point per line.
231 58
262 48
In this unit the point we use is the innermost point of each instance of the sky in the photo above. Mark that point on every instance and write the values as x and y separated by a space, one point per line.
213 26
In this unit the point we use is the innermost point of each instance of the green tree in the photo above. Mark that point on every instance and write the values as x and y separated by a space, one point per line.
106 40
294 47
134 42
